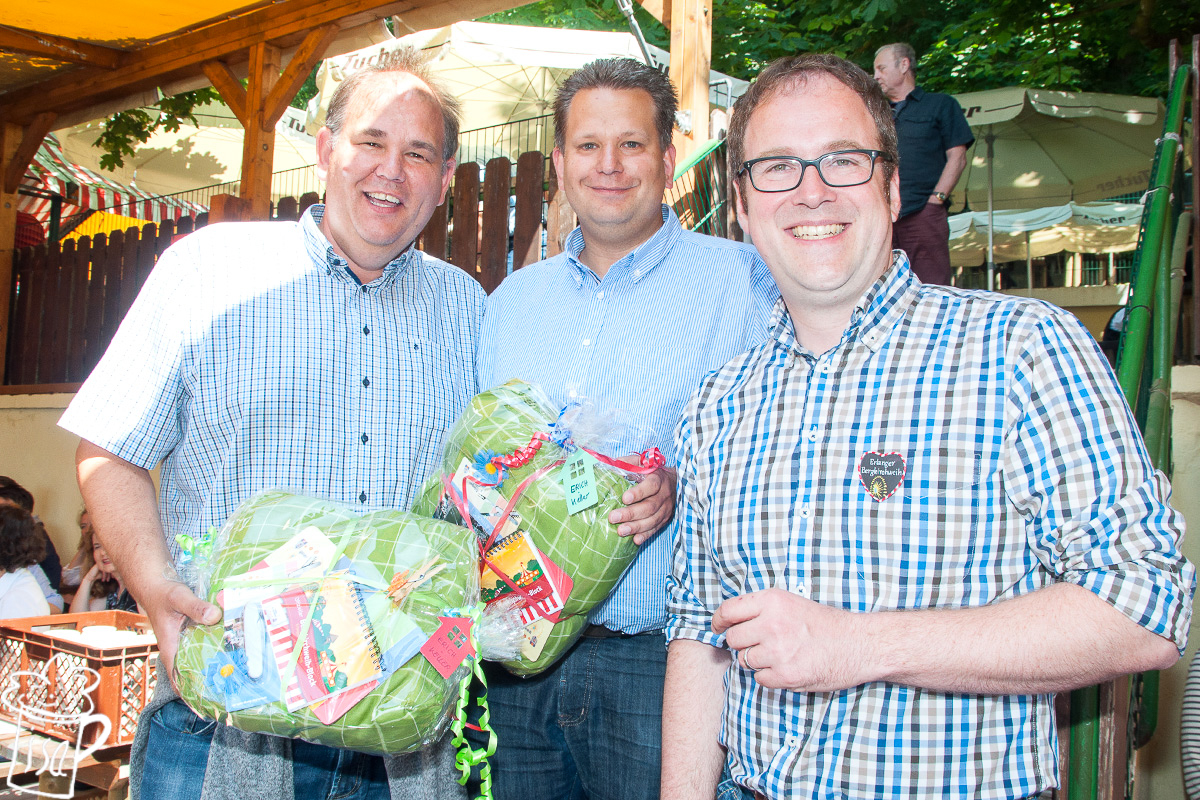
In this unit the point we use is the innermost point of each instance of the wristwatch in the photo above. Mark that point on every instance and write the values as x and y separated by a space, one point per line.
945 198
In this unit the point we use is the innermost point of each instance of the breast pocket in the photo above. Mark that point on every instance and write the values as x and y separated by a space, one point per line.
918 546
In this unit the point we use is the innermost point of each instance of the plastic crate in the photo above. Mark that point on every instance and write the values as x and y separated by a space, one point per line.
127 675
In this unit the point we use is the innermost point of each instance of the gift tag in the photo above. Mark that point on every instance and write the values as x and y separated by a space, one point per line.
449 645
579 481
534 638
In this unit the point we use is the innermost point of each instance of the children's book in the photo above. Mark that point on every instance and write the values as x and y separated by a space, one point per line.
337 648
409 640
522 564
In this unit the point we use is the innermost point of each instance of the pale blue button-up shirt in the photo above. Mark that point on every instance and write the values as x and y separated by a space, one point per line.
637 342
254 359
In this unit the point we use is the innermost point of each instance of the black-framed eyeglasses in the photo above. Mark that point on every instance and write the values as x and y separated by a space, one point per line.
839 169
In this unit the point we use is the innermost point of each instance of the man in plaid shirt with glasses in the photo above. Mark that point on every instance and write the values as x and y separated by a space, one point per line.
908 518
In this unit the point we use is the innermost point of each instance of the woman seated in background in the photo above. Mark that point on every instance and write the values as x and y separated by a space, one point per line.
101 588
21 546
82 561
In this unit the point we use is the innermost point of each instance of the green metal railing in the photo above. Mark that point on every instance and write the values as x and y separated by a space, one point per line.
1144 372
698 192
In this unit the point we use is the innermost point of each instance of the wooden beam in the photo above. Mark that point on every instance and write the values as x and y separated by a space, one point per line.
691 59
228 86
227 208
311 50
423 16
281 23
31 140
58 48
659 9
10 139
258 144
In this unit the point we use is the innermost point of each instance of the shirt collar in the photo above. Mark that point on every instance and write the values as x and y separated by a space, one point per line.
325 258
877 312
637 262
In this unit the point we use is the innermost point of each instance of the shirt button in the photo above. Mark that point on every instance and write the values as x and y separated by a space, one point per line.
365 438
571 393
599 295
812 433
791 741
366 330
364 289
362 498
366 381
804 511
587 342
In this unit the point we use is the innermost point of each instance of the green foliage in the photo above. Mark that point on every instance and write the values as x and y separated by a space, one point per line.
1101 45
127 129
307 90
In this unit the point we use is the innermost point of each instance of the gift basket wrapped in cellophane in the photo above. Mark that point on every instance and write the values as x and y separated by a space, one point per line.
348 629
530 481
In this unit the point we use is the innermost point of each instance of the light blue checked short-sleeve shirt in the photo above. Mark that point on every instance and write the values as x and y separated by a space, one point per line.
955 449
638 341
254 359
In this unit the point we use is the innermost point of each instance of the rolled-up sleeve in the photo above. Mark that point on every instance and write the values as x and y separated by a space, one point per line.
693 591
1098 511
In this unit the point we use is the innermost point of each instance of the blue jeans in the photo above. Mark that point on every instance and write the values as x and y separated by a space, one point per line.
590 727
177 755
327 772
728 790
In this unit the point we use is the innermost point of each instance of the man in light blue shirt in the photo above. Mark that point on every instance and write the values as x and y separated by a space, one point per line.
326 356
631 316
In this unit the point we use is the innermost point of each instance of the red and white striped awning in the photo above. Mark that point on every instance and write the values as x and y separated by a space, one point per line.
51 174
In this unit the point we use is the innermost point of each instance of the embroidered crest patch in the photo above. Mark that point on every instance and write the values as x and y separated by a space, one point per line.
881 473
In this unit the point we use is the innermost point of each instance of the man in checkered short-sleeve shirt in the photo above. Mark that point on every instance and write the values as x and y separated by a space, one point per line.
908 518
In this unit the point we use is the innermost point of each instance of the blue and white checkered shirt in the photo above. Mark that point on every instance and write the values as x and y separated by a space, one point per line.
639 341
254 359
955 449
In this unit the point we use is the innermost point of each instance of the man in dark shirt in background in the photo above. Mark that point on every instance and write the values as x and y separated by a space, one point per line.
934 137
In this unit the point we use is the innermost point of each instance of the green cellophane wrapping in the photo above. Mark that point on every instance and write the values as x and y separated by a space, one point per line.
585 545
413 706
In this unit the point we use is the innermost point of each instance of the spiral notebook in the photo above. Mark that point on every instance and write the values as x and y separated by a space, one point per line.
338 651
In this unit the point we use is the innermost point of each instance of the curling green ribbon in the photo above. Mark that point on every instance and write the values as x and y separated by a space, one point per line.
467 756
196 549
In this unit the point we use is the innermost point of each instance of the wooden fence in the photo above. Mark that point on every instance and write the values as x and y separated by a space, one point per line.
67 299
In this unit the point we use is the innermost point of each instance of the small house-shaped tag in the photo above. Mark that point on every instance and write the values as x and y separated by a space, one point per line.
449 645
579 481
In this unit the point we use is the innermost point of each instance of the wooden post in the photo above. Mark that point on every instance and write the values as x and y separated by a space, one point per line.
260 105
258 147
691 57
10 139
227 208
493 255
560 217
527 233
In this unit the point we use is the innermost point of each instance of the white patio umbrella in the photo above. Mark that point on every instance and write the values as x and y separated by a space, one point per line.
1034 233
1037 148
192 158
502 74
